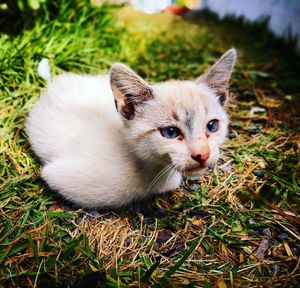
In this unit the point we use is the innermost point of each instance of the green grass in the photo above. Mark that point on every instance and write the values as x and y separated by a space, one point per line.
215 231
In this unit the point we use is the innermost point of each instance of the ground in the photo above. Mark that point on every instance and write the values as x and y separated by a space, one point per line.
236 227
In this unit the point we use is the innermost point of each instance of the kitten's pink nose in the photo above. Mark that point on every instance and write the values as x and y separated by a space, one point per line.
201 158
200 150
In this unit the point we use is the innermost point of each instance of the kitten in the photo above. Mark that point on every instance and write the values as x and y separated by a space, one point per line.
108 140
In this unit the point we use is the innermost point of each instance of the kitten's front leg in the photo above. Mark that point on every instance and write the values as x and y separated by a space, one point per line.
171 183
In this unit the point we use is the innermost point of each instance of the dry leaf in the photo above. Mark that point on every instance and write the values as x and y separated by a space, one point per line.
262 248
288 250
198 222
221 283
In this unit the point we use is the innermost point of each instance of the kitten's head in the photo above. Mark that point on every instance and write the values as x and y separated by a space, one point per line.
178 123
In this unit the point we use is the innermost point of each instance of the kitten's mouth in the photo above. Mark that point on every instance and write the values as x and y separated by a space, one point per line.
196 168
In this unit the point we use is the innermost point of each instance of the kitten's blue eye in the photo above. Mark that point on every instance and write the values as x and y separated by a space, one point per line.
213 126
170 132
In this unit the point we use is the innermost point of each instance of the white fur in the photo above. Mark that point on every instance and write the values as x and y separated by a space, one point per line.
44 69
78 134
95 158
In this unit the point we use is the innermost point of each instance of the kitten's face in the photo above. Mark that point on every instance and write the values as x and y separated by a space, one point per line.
176 123
183 125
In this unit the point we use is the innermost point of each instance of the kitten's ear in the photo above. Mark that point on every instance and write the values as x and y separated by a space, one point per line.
218 75
129 89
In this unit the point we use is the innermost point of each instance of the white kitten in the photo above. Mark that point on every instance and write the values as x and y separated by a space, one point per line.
108 140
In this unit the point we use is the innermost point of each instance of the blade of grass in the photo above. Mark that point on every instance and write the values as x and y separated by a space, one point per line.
179 263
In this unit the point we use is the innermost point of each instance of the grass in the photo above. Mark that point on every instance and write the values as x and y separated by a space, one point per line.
237 227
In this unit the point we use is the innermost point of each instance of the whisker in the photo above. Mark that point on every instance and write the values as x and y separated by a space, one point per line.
159 175
172 171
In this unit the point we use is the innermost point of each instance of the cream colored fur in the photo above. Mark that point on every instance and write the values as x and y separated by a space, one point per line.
97 156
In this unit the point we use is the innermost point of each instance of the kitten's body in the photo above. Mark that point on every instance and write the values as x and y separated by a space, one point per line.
97 156
81 140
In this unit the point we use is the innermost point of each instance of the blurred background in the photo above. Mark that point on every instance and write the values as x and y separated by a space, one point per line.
283 15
